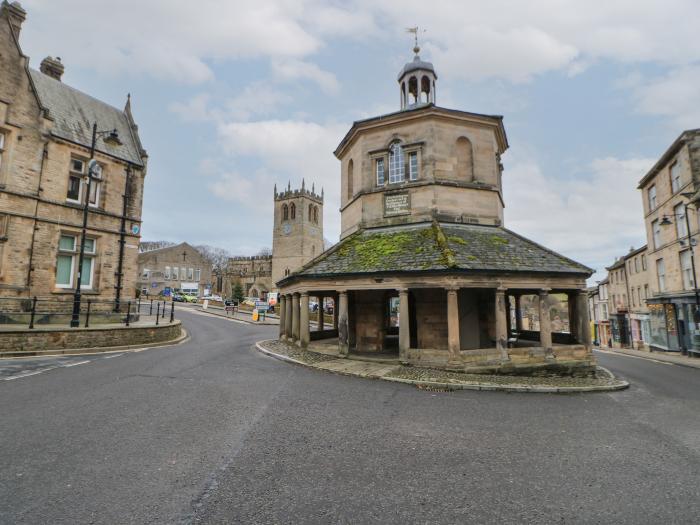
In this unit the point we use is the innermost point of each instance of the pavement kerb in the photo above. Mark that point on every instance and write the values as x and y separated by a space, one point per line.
183 338
462 386
650 356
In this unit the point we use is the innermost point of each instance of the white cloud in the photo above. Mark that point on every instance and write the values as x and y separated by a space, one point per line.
180 39
593 217
287 150
300 70
173 39
675 96
197 109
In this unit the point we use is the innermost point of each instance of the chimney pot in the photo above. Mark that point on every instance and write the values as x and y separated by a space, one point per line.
52 67
15 14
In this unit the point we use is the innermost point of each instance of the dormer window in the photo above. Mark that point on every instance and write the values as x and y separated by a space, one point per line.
396 164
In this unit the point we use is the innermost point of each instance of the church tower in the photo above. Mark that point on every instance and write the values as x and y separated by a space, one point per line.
298 230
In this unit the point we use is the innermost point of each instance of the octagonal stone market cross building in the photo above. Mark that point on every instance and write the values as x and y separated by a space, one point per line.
425 268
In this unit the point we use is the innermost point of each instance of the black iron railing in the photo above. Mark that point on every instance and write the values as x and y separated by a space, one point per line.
51 311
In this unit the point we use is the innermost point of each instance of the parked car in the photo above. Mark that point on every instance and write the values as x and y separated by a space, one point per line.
178 298
189 298
213 297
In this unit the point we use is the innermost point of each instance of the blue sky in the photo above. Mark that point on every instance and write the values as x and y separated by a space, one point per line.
232 97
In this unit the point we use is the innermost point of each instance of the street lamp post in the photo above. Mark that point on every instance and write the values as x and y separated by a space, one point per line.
94 169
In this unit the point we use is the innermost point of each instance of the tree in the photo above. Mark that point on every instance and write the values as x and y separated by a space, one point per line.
237 292
217 257
147 246
265 252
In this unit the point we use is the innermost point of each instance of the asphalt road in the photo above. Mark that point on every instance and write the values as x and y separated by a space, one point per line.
211 431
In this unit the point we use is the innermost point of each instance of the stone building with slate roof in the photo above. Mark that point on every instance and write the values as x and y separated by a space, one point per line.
45 138
425 271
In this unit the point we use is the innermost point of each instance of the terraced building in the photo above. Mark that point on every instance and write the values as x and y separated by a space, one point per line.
425 270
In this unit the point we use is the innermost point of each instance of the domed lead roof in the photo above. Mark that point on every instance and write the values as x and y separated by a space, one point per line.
415 65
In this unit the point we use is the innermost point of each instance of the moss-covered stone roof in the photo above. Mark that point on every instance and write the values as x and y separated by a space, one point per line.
438 247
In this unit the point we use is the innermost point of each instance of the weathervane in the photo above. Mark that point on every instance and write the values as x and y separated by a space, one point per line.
415 31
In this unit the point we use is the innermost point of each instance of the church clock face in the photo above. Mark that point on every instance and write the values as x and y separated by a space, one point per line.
286 228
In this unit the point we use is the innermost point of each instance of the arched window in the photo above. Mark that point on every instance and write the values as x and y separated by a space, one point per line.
465 159
315 214
292 211
311 213
351 166
396 163
285 212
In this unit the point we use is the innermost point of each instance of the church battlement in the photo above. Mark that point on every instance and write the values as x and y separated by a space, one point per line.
250 258
289 193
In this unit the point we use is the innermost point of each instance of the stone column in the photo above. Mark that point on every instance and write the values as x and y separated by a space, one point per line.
304 335
518 315
584 322
545 324
572 298
453 328
295 317
343 324
320 313
509 328
404 326
282 316
501 326
335 311
288 316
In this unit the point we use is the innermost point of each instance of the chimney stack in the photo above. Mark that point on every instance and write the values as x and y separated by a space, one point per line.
52 67
15 14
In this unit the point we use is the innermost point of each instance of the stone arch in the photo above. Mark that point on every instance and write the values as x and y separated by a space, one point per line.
425 89
412 95
292 211
311 213
285 212
465 159
351 175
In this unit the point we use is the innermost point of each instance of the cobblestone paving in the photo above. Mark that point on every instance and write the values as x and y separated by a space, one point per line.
280 347
602 377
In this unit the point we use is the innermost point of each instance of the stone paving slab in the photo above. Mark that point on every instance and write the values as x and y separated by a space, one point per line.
436 379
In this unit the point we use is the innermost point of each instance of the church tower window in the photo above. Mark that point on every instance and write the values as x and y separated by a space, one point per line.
292 211
285 212
396 164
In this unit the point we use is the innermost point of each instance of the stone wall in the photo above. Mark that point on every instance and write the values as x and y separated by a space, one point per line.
42 339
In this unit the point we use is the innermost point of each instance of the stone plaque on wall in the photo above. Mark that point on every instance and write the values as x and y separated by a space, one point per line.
396 204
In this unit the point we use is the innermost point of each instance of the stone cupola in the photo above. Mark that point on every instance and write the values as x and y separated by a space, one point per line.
52 67
417 82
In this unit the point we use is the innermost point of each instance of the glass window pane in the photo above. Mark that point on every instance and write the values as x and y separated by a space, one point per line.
86 273
66 242
89 245
77 165
413 165
73 188
380 172
64 270
396 167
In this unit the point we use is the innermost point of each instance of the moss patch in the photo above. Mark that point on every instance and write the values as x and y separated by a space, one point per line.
377 251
